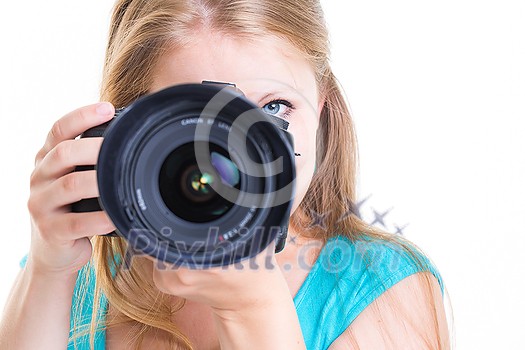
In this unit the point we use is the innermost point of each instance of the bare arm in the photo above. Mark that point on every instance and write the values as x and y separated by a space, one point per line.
37 313
269 324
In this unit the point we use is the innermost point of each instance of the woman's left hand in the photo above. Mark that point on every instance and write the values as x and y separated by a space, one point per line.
233 287
251 301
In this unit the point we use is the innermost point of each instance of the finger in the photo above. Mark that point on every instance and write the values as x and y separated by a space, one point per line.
70 189
72 226
74 123
63 158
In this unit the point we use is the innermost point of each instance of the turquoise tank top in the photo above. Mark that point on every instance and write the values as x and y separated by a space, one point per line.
344 280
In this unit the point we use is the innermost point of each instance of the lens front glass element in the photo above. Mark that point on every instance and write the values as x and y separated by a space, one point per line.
187 190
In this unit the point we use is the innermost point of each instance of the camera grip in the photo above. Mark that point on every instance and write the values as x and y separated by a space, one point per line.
91 204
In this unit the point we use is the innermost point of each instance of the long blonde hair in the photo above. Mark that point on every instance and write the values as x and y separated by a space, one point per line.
141 31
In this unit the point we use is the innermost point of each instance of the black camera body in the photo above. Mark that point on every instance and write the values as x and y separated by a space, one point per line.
195 175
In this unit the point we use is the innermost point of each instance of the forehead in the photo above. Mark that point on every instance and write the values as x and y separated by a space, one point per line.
267 63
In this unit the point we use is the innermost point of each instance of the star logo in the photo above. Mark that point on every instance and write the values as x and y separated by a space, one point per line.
399 230
378 217
318 220
354 208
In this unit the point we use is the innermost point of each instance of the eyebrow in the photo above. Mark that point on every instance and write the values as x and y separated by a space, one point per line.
272 94
266 96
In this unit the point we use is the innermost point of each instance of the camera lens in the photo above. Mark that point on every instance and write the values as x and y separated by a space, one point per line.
190 158
187 190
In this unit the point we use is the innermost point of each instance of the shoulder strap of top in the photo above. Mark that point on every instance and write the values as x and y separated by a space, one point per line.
82 310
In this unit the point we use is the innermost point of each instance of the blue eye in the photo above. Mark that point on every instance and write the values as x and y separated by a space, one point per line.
278 108
272 108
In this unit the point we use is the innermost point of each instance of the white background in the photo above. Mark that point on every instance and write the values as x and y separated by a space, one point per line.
437 93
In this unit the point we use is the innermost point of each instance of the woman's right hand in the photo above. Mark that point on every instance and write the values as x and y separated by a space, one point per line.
60 238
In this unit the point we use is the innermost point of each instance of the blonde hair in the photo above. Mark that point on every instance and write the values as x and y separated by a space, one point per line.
141 31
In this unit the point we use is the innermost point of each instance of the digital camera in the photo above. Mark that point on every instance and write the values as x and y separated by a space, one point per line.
195 175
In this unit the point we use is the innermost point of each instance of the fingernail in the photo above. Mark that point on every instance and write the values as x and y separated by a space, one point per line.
104 109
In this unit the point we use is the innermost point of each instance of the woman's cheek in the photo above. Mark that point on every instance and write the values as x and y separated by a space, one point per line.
304 144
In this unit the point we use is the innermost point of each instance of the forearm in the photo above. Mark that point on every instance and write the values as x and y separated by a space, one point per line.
37 313
270 325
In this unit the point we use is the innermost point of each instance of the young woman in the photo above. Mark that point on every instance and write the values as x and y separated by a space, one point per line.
340 283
